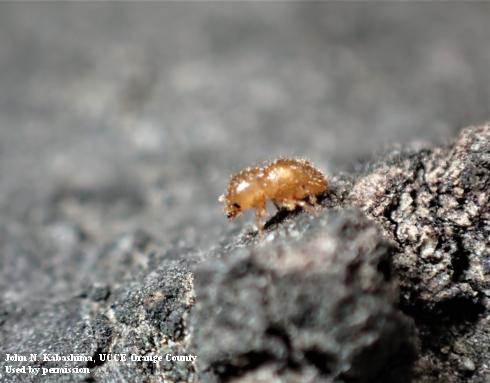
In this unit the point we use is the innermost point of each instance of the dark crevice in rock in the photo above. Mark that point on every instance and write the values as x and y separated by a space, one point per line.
280 333
460 309
96 360
460 261
241 365
450 312
387 213
321 360
352 272
384 267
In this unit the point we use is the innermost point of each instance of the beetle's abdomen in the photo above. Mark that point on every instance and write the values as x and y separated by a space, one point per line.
293 180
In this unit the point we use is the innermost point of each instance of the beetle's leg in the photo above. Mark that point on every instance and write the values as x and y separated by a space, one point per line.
312 200
306 207
260 213
289 204
314 203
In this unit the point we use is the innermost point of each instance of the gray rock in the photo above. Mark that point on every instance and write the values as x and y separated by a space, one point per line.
324 298
148 319
62 328
433 205
120 124
467 365
317 297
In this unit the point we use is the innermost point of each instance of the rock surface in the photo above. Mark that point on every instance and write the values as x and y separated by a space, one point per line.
317 299
433 205
119 126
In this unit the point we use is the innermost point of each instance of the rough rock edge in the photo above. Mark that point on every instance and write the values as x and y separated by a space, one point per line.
453 322
333 271
433 205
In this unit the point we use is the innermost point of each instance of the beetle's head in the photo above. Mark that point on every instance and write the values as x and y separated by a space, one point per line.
241 193
231 208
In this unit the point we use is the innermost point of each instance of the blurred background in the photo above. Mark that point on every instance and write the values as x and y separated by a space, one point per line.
117 116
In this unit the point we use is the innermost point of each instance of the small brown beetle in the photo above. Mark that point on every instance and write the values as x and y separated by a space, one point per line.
288 183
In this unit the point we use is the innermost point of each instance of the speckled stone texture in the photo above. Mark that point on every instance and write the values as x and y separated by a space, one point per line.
433 205
145 316
120 124
315 301
389 282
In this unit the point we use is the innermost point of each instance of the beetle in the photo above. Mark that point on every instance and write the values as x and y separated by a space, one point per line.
288 182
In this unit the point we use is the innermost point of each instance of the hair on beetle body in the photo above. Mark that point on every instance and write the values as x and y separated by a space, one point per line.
288 182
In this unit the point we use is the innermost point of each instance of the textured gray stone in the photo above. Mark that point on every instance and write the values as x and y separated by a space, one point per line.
120 124
325 298
433 205
316 298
